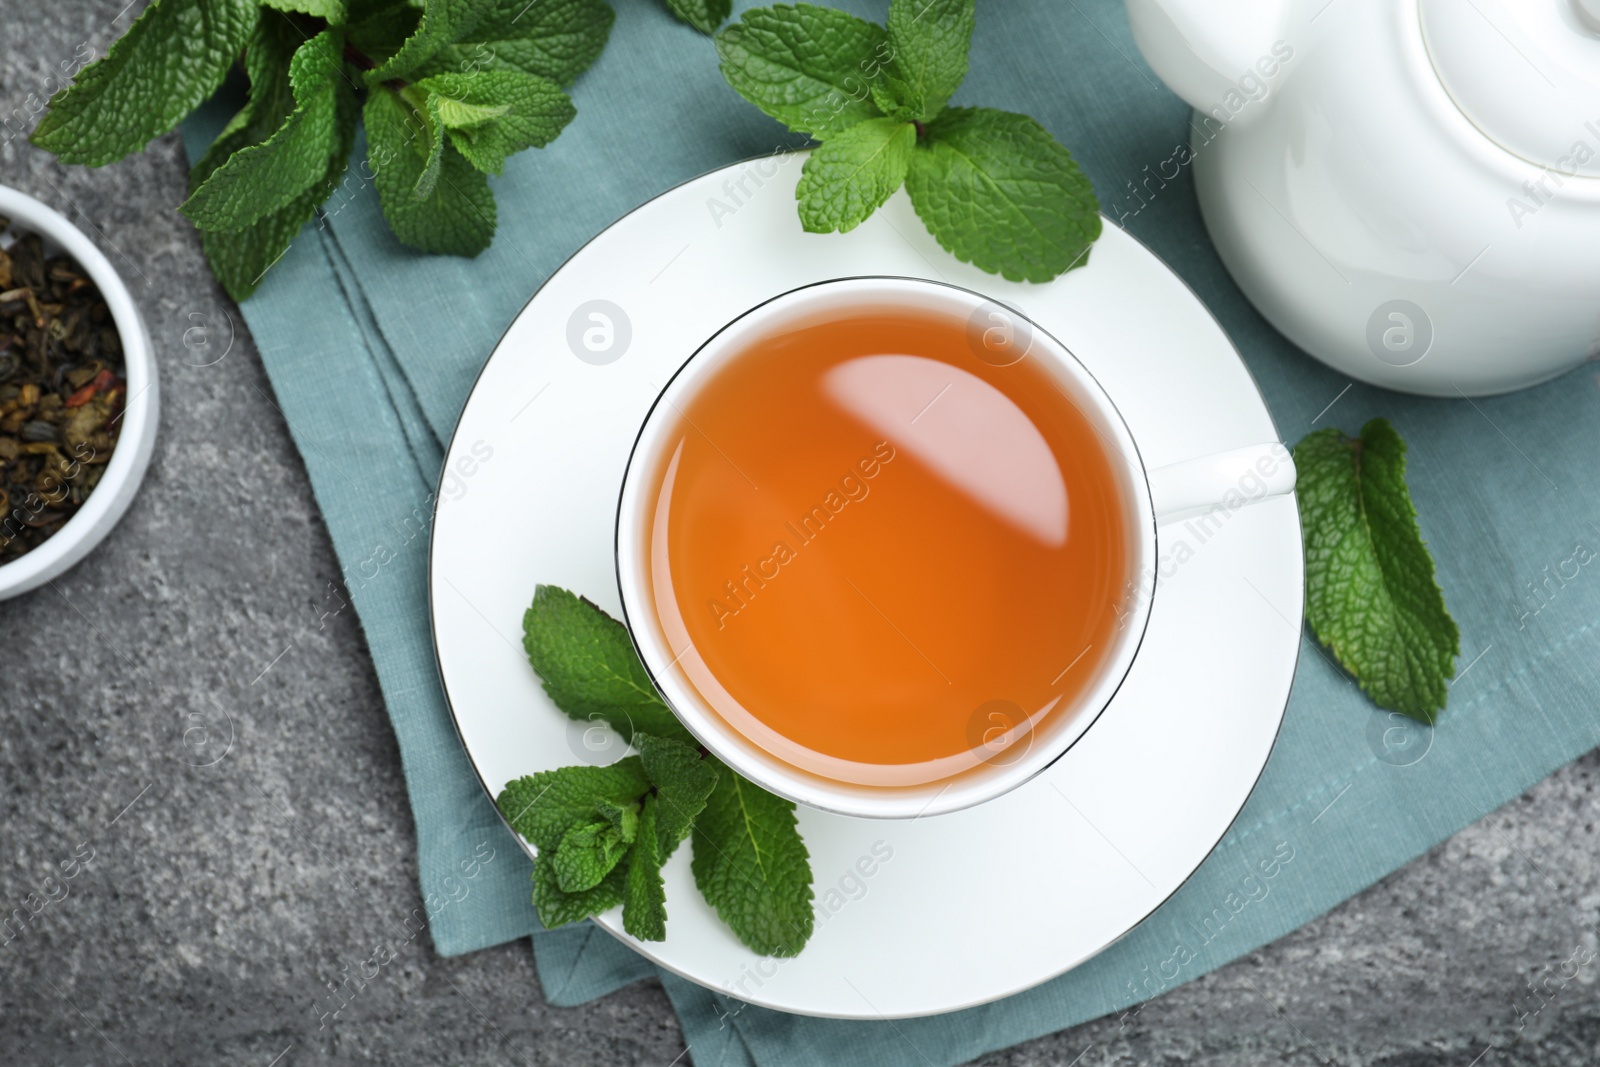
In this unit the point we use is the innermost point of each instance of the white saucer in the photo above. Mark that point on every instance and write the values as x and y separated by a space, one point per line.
971 906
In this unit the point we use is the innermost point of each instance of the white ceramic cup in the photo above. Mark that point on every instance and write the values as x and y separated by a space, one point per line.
137 437
999 336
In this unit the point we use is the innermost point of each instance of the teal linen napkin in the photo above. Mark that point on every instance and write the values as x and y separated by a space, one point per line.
372 349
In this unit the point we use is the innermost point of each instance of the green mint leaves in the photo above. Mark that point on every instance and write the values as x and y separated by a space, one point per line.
172 58
703 15
241 257
554 39
431 197
589 669
492 114
1371 597
331 10
808 67
851 175
994 188
447 89
546 807
260 179
644 901
929 40
474 82
751 865
603 833
588 852
443 22
683 781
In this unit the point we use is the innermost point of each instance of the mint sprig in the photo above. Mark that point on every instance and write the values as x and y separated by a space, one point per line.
447 89
603 833
1371 595
545 807
993 187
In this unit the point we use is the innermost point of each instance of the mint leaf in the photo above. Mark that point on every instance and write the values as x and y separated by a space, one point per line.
266 61
752 866
543 807
493 113
547 807
808 67
586 855
463 114
458 216
384 32
703 15
587 664
997 191
241 258
1371 596
267 55
263 178
853 173
557 907
555 39
625 817
332 11
171 59
444 22
929 39
433 131
682 782
644 903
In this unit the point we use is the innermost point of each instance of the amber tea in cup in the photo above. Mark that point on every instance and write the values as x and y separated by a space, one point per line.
883 548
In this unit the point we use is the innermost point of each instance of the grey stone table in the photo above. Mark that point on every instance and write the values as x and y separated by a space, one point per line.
213 902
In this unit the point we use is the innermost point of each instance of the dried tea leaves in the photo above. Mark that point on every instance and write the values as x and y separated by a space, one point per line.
61 392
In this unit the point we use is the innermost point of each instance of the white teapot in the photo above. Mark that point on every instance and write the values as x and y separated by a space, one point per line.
1408 189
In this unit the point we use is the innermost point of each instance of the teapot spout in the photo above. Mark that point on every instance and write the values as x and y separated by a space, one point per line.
1214 52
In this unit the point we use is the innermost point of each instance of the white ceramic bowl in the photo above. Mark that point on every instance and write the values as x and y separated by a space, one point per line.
125 470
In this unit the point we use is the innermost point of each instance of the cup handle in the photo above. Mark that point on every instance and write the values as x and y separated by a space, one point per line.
1222 480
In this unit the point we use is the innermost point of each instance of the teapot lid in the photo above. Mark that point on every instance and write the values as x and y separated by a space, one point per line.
1525 72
